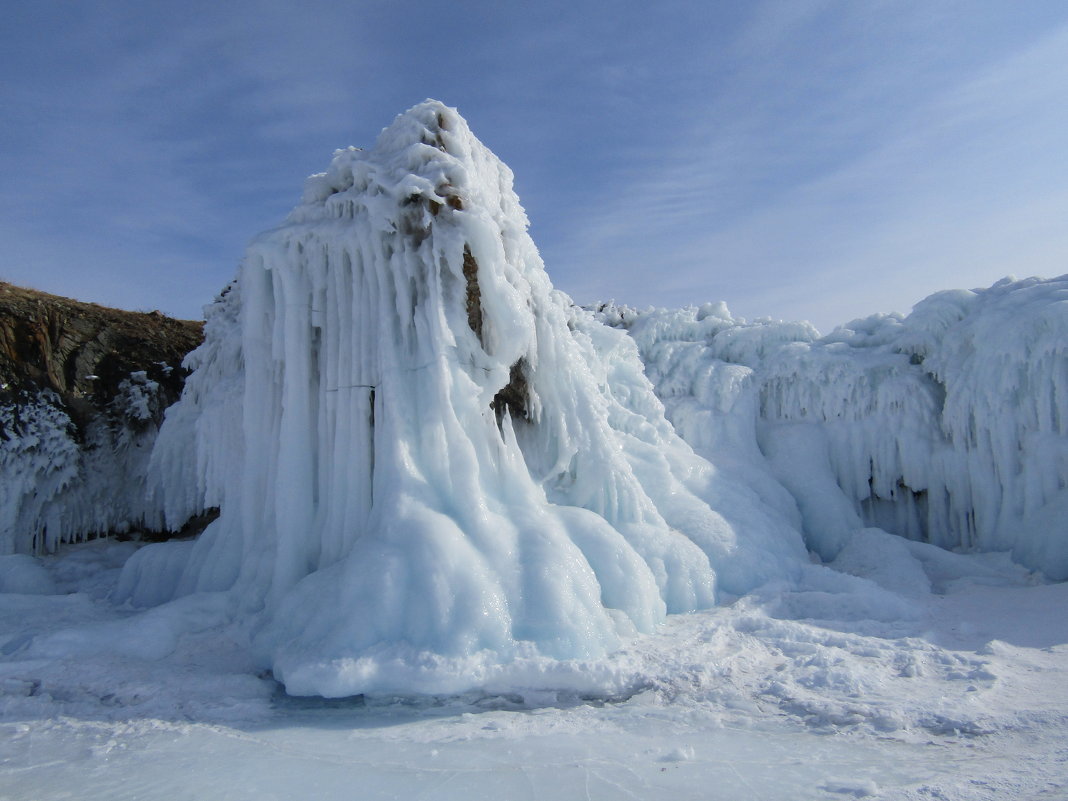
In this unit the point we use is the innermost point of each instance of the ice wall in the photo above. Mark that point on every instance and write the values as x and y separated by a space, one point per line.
60 483
431 466
949 425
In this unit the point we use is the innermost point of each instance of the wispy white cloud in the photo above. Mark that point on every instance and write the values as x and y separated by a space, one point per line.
809 158
153 151
957 181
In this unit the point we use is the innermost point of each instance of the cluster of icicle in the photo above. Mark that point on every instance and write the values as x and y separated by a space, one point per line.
61 483
432 468
948 426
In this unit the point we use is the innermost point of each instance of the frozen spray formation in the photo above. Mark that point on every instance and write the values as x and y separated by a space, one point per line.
948 426
433 470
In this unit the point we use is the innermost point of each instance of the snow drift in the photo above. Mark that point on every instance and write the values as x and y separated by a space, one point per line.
434 470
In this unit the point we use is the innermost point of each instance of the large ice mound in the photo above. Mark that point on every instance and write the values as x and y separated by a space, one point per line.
432 468
947 426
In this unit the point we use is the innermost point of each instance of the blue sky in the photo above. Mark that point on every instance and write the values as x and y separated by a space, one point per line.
799 160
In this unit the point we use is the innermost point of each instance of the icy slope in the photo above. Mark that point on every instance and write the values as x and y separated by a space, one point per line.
434 471
949 425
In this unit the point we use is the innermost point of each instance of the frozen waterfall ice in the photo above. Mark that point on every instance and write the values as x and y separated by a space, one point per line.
433 470
947 426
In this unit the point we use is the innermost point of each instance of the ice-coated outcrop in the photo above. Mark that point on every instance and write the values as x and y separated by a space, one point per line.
948 426
82 391
59 484
432 468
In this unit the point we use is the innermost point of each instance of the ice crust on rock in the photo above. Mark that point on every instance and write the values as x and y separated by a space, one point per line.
434 471
59 487
948 426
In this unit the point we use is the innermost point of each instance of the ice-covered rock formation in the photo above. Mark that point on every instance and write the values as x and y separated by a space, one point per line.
59 484
82 391
948 426
431 466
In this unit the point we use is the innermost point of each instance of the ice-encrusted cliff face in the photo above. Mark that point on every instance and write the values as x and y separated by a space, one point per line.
948 426
82 391
431 466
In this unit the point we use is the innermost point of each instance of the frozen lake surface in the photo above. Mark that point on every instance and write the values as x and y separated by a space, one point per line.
969 699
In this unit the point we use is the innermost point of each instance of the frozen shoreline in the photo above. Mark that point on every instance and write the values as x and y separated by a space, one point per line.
967 700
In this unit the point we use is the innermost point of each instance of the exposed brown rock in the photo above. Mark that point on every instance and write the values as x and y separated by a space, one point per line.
474 294
514 396
101 378
83 351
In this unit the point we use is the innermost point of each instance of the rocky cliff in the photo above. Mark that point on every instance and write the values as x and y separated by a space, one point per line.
82 351
83 389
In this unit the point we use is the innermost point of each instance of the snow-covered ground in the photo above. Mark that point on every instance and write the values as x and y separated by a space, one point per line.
961 693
